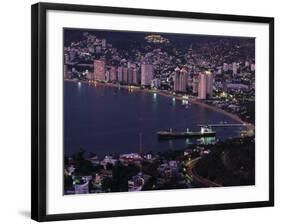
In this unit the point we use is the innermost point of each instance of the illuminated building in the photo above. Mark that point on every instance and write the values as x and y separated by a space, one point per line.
205 87
125 75
103 43
210 83
183 80
155 83
99 70
136 79
202 86
180 80
195 83
177 79
120 74
89 75
130 75
146 74
112 74
189 80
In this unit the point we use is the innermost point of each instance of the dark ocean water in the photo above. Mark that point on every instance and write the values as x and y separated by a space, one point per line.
108 120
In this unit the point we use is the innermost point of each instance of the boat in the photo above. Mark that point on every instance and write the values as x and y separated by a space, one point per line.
204 132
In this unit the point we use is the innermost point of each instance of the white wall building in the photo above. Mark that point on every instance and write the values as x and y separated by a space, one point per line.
206 84
202 86
146 74
120 74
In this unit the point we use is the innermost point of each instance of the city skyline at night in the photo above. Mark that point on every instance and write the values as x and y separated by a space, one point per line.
152 111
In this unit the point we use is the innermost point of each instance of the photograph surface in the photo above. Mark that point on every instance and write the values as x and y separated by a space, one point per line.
157 111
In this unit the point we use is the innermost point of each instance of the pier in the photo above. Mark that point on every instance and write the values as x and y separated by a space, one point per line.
224 125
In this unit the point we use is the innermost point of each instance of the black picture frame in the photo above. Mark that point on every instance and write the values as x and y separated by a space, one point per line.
38 108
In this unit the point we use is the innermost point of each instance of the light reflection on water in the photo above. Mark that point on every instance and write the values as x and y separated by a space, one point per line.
207 140
108 120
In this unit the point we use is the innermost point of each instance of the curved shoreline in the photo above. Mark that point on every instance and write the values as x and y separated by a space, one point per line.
200 103
235 117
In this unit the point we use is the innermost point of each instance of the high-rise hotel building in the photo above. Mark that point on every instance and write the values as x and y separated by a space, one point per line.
180 80
202 86
120 74
125 75
205 85
177 79
136 76
146 74
99 70
210 83
195 83
130 75
112 74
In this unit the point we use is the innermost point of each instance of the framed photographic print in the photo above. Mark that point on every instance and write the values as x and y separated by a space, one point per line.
139 111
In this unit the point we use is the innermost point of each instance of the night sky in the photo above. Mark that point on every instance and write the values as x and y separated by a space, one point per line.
124 38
